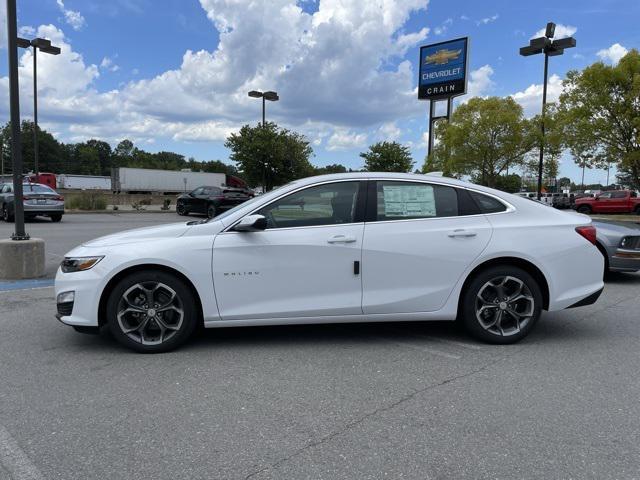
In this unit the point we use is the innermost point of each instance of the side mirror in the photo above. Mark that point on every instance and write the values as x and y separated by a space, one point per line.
251 223
597 198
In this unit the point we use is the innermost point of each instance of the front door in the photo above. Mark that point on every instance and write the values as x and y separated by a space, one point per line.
417 246
302 265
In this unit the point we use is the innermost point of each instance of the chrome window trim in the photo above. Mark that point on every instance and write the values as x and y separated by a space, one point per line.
509 207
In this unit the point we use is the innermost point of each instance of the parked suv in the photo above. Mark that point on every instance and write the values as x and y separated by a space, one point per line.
210 201
616 201
39 200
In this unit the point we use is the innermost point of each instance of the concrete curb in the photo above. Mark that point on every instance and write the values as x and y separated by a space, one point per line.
114 212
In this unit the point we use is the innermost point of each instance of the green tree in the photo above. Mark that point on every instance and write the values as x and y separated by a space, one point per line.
86 159
387 157
600 106
105 155
49 149
509 183
484 138
123 153
269 155
334 168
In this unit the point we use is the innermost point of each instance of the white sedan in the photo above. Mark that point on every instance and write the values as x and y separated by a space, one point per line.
353 247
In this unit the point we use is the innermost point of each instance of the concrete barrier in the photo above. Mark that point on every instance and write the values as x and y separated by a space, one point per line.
20 259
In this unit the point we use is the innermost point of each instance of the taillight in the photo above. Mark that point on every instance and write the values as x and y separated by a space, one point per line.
588 232
27 197
59 198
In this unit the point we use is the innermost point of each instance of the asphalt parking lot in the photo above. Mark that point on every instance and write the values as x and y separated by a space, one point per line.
409 400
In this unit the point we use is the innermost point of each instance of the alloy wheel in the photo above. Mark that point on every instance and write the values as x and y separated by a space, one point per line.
150 313
504 306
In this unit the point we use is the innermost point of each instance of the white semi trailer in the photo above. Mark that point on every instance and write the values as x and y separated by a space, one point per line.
146 180
83 182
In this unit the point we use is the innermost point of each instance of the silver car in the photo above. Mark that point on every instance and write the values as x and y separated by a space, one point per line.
39 200
619 242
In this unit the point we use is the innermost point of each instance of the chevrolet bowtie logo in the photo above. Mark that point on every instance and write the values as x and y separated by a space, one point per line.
443 56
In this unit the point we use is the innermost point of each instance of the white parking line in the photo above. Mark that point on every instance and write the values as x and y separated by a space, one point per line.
14 460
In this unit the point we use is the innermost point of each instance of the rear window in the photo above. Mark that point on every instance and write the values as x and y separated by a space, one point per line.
488 204
29 187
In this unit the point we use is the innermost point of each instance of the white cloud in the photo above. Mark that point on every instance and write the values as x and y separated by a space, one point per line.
108 64
72 17
442 29
561 31
344 139
336 70
486 20
389 131
480 82
613 54
26 31
531 98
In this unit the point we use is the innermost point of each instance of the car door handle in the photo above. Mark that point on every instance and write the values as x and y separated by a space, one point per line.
461 232
341 239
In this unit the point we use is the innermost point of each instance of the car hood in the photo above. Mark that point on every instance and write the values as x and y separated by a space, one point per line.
172 230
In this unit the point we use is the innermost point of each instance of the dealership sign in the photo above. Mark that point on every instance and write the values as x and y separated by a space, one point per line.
443 69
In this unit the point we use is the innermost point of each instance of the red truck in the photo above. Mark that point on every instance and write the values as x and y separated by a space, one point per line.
616 201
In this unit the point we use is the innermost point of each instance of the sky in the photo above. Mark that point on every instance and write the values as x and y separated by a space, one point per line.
174 74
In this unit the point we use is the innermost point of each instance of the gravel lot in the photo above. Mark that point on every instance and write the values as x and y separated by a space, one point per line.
409 400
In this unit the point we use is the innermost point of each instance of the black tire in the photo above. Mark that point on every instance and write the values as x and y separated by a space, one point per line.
212 211
6 216
637 210
56 218
586 209
184 325
181 210
512 330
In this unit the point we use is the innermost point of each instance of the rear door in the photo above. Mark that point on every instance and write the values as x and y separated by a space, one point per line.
619 202
418 241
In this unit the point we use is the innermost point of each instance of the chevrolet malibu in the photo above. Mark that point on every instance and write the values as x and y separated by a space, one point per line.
353 247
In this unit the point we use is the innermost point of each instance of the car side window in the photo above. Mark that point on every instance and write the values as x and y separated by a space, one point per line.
409 200
328 204
488 204
198 191
618 195
605 195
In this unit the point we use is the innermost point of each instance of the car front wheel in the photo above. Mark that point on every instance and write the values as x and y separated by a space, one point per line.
151 312
180 210
212 211
501 305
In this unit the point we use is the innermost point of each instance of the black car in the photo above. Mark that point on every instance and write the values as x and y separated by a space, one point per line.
210 201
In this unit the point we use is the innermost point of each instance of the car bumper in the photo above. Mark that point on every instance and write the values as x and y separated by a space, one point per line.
85 285
623 260
44 209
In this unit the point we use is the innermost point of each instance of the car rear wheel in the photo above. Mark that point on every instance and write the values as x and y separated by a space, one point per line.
180 210
501 305
586 209
56 218
212 211
637 210
151 312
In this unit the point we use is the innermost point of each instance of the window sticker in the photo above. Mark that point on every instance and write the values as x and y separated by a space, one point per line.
409 201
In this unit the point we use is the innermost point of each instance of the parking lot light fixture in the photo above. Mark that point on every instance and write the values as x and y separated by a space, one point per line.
44 46
550 48
270 95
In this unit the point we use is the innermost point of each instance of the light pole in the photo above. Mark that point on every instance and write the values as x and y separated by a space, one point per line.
550 48
271 96
44 46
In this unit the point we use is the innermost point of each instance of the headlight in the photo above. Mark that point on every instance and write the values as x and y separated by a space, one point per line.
79 264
